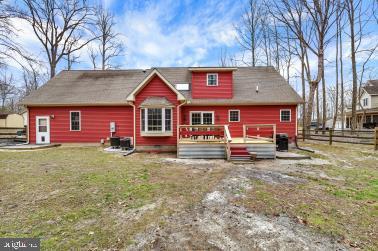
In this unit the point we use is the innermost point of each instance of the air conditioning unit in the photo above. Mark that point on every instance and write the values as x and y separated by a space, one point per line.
131 140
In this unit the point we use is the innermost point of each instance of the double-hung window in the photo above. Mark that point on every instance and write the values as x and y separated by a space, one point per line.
233 115
156 121
212 79
285 115
365 102
201 118
75 121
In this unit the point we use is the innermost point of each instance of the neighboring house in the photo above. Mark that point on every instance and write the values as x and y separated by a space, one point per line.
11 120
338 124
149 105
25 116
368 105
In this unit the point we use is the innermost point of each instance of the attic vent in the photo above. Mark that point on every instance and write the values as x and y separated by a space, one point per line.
182 87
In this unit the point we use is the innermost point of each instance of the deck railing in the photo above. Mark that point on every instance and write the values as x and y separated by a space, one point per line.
207 133
202 133
260 131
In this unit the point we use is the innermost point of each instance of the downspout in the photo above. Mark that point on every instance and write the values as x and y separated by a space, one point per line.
134 112
178 124
27 125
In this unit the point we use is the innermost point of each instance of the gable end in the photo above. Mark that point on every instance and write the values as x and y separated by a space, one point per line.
131 96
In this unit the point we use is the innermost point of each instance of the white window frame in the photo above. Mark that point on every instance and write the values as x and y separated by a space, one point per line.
163 131
282 110
79 122
207 79
367 102
229 115
202 112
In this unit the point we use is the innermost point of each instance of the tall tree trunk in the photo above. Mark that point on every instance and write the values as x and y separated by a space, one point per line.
304 131
337 72
317 107
354 67
103 56
313 88
341 80
324 98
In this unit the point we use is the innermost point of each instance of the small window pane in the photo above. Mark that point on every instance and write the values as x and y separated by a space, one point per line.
285 116
212 79
207 118
143 119
234 116
196 118
168 119
75 121
42 125
154 119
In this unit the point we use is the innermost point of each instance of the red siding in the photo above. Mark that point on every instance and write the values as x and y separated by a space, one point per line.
248 115
201 90
95 123
156 88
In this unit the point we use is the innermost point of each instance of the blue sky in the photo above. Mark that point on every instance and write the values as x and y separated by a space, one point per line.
184 33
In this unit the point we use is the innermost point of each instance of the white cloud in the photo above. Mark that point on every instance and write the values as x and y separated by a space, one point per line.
160 34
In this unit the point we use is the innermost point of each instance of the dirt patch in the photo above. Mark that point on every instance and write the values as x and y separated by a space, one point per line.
218 223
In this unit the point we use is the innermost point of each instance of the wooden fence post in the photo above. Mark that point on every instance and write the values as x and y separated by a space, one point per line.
330 136
376 138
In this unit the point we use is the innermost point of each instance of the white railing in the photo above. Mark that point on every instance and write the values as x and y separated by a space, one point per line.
228 139
260 131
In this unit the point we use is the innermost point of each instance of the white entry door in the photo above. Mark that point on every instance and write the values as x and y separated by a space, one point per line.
43 130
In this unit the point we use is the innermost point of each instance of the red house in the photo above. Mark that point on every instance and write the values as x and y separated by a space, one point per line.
226 111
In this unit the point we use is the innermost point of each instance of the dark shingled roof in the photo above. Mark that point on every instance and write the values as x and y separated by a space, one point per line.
371 87
89 87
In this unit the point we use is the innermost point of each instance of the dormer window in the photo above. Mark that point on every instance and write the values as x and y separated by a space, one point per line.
212 79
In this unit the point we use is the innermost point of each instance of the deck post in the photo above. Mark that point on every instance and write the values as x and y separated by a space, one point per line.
330 136
244 132
376 138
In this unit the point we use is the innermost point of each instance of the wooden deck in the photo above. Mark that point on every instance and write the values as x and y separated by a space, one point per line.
215 141
233 141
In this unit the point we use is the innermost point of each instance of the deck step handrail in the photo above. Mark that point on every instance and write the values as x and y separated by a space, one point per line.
228 139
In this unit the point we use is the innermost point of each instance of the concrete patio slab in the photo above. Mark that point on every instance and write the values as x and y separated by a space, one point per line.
27 146
291 155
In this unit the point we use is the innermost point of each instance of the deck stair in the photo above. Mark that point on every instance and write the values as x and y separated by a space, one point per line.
239 153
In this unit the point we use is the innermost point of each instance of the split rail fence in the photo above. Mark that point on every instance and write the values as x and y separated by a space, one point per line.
365 137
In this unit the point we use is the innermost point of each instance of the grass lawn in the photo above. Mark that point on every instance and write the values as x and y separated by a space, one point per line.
339 197
84 198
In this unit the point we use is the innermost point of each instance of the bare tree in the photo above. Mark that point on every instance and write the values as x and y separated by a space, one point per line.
336 106
33 78
7 88
250 30
310 22
358 19
108 41
59 26
71 59
9 48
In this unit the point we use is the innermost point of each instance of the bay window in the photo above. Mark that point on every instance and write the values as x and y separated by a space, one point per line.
156 121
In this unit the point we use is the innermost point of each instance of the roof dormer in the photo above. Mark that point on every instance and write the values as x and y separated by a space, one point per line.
212 82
